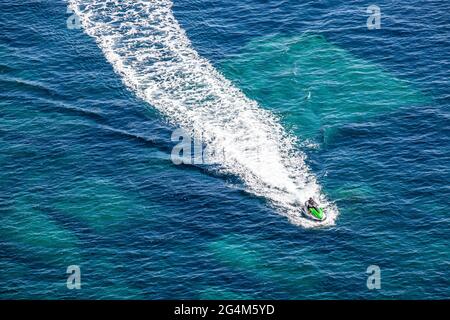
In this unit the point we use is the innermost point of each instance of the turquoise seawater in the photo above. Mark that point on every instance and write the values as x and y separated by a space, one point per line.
87 178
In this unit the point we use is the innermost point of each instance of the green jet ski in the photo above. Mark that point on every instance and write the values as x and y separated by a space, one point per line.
312 211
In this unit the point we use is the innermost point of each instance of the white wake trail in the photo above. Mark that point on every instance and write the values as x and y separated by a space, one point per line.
148 48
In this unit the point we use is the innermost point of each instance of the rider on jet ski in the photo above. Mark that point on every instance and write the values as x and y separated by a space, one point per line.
311 204
314 211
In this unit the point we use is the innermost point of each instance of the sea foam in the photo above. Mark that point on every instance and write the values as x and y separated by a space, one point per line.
151 52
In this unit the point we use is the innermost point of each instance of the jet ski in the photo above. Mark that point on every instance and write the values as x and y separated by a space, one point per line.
312 211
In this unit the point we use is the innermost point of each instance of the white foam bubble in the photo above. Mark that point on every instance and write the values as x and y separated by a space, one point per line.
148 48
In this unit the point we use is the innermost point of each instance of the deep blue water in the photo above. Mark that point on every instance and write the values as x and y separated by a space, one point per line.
86 175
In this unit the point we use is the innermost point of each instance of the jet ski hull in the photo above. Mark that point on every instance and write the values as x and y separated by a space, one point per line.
307 214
